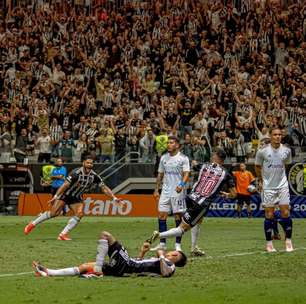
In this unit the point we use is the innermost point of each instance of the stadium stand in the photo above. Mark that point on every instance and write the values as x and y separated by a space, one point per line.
106 78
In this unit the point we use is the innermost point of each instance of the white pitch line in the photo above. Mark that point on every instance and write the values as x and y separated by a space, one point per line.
4 275
238 254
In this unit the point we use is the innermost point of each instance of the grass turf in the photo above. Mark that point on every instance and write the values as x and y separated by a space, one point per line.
219 278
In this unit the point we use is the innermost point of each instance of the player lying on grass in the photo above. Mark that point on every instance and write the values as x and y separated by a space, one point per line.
212 178
120 262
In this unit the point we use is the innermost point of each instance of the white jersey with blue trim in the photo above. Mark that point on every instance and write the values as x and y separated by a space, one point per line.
273 163
173 168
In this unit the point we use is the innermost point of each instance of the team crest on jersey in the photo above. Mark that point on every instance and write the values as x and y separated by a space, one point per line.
297 179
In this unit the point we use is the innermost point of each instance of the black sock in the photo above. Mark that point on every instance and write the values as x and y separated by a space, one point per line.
268 227
162 224
178 239
286 223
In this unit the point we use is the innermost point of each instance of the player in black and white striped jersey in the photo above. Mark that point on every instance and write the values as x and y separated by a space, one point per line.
120 262
213 177
70 194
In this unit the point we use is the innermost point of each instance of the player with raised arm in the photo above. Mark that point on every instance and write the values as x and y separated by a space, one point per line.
271 171
212 178
80 181
120 262
173 174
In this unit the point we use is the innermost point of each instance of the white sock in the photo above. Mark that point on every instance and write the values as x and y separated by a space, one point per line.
178 231
71 224
72 271
270 243
43 217
194 236
102 252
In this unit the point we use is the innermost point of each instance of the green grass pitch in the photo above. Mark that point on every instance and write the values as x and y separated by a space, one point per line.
222 277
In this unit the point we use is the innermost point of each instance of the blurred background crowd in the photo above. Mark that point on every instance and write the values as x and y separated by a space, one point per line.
113 77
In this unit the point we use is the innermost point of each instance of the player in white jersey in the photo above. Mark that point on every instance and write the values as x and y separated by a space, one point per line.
173 173
271 171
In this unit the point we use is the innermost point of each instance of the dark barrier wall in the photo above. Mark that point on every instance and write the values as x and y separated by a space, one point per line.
221 207
296 174
129 170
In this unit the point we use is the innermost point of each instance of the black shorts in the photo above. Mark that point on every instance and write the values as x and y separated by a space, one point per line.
118 260
242 198
70 200
195 211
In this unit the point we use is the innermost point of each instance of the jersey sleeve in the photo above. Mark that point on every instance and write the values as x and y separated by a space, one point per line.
288 159
186 164
161 168
259 158
72 177
98 180
167 268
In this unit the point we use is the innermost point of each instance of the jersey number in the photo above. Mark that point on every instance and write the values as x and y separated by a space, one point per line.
207 185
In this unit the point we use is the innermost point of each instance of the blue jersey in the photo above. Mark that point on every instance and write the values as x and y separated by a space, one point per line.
58 171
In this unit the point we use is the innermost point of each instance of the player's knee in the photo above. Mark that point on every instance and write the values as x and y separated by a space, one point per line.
184 226
177 216
162 215
54 213
79 214
105 235
269 215
285 213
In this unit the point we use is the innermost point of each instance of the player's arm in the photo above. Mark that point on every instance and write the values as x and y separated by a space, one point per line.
70 180
159 181
57 176
143 250
258 167
186 173
258 172
231 188
166 268
288 159
230 194
183 182
59 192
108 192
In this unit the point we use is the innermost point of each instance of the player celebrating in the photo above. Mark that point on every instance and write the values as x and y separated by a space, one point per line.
70 193
212 178
271 172
173 172
120 262
244 179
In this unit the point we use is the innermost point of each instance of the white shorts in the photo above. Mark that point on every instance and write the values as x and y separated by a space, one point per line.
271 198
175 203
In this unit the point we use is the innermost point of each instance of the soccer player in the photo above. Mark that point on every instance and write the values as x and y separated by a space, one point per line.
270 169
120 262
70 194
212 178
244 179
173 173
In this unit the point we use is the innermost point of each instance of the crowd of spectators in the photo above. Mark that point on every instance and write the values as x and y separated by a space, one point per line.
214 73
